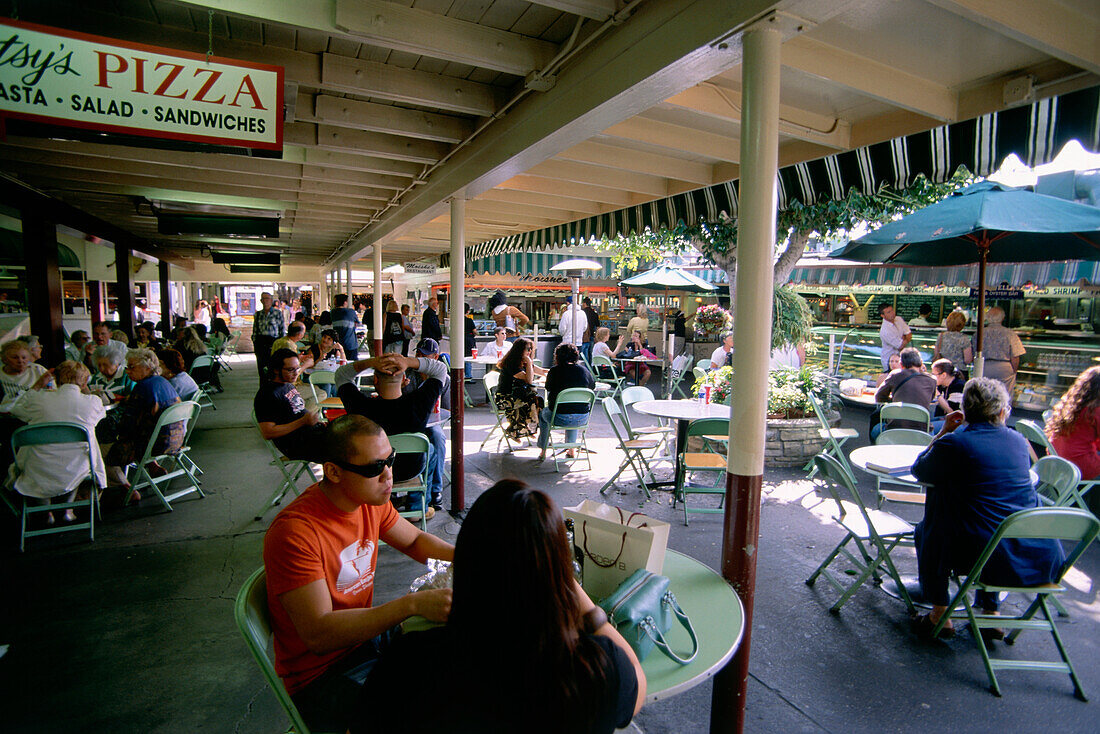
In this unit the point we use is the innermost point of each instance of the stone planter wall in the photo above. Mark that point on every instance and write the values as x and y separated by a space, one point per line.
793 442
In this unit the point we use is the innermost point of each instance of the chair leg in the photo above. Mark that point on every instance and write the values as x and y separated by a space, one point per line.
1078 689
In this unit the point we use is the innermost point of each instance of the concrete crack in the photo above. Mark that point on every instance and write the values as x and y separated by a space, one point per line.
248 711
790 703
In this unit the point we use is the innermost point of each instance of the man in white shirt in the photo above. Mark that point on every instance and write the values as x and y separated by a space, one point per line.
573 323
894 333
722 355
500 346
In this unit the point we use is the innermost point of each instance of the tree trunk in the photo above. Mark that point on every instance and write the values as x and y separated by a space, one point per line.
784 266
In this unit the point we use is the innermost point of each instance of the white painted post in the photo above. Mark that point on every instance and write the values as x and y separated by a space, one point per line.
377 257
752 334
458 351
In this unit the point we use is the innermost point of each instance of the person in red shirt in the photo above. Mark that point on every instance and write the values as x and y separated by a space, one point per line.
1074 429
320 555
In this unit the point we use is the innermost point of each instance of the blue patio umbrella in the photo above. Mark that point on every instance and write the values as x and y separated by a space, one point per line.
985 222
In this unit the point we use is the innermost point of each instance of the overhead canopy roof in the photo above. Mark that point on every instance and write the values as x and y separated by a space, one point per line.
540 113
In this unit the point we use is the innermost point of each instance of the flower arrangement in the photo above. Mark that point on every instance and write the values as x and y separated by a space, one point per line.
788 390
711 319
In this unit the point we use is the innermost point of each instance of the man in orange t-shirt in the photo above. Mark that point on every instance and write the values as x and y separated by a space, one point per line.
320 554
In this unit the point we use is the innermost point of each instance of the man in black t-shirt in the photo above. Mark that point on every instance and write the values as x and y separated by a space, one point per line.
590 330
282 415
401 413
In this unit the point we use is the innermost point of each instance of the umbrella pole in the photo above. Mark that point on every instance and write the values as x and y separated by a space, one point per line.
983 254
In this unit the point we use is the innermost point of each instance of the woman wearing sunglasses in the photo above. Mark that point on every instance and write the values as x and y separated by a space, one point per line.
320 555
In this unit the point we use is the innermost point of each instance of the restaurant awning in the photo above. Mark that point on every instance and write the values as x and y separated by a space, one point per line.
520 263
11 251
1016 275
1035 133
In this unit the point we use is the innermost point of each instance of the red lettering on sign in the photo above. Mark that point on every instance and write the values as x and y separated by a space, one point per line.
104 70
139 75
201 94
250 91
162 90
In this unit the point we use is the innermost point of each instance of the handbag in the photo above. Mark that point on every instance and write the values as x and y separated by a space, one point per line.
642 610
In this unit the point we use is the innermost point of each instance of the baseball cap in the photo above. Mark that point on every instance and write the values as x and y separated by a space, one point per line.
427 346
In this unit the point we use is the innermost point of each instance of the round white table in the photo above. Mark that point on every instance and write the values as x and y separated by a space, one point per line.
683 412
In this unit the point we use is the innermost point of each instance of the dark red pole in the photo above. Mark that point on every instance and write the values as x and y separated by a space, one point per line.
741 530
458 475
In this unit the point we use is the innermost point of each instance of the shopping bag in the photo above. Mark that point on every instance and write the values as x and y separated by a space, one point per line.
615 544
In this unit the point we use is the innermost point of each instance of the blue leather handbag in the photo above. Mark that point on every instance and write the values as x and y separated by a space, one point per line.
643 609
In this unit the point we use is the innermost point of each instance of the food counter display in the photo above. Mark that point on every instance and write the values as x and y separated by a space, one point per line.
1052 362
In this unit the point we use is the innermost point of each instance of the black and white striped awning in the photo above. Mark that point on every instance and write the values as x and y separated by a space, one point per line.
1034 133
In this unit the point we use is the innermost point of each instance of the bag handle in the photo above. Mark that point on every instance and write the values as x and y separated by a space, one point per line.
659 639
601 561
626 521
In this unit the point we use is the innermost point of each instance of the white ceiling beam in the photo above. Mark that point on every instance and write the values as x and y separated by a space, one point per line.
380 118
627 159
594 9
1051 27
869 77
503 208
524 198
390 25
374 79
677 137
569 189
379 145
661 50
350 161
721 103
583 173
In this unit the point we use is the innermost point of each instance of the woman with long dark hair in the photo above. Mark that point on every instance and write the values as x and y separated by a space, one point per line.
1074 429
516 396
524 650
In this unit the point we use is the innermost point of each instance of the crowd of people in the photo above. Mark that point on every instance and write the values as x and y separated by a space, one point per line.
112 383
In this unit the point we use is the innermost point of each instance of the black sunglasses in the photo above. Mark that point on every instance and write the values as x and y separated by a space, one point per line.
370 470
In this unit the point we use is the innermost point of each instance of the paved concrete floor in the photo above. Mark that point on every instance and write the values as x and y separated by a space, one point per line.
134 633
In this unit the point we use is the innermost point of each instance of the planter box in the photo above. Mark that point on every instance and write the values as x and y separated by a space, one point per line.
793 442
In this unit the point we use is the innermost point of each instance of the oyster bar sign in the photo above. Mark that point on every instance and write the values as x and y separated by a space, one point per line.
66 78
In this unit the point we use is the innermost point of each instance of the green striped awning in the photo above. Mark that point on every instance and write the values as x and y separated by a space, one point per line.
525 263
1035 133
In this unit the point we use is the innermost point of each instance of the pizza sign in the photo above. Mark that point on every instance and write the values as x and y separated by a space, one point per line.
74 79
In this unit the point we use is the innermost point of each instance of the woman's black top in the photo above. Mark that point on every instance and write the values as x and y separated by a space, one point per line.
484 691
562 377
393 330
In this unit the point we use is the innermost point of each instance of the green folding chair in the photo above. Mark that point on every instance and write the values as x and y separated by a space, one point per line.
1057 487
413 443
254 621
571 396
702 462
636 394
835 438
633 448
678 370
913 493
491 380
1036 435
42 434
205 386
316 380
185 451
616 380
872 534
702 364
1070 524
904 412
291 470
230 348
185 412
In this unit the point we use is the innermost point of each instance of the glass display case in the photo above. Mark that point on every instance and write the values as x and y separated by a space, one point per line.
1052 362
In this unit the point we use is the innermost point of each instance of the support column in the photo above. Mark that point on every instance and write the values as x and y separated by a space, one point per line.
96 299
125 291
44 286
165 297
376 256
748 412
347 271
458 352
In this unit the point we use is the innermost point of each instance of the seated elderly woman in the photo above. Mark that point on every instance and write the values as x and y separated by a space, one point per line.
151 394
110 380
19 373
552 661
172 369
978 475
51 474
565 373
34 344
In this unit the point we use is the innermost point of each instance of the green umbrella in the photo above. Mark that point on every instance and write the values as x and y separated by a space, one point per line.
985 222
